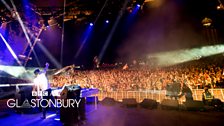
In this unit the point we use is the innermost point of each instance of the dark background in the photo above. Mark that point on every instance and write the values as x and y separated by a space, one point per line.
159 25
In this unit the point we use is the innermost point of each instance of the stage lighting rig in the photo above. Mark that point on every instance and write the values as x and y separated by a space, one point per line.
220 6
206 22
23 57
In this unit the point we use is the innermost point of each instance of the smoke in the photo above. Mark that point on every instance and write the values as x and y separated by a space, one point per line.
185 55
162 28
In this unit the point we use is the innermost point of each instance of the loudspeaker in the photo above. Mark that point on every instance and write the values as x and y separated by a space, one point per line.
24 97
82 109
108 101
69 115
73 91
170 104
194 105
149 103
129 102
217 104
72 114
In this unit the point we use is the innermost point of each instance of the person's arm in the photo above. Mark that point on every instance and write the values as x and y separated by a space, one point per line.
46 68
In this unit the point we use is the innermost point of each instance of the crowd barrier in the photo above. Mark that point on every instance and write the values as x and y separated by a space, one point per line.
157 95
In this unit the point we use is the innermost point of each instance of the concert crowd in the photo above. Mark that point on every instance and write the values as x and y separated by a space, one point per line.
196 75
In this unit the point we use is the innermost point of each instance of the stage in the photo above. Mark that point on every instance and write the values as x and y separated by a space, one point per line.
121 116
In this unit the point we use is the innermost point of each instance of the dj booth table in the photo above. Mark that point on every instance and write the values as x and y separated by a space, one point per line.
23 92
85 92
71 115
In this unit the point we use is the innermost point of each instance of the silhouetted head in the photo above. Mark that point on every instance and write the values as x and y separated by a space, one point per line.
206 88
36 71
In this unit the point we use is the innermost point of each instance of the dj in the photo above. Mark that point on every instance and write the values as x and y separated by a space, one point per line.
42 87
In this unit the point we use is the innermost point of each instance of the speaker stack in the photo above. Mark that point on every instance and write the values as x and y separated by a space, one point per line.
149 104
108 101
194 105
217 104
129 102
24 97
170 104
72 115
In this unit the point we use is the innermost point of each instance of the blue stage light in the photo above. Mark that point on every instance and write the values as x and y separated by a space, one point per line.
107 21
138 5
91 24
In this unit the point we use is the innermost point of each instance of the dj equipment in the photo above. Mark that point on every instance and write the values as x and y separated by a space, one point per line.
72 115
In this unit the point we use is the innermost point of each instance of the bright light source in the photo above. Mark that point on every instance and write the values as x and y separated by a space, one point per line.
107 21
220 7
51 116
138 5
91 24
57 119
186 55
38 39
14 71
10 50
207 24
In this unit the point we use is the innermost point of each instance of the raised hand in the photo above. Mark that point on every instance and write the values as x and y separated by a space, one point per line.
47 64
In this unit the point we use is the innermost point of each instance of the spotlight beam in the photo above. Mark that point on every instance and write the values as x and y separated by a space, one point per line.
32 47
62 35
6 5
186 55
21 24
26 35
10 50
54 61
112 31
83 42
100 11
89 31
49 55
12 71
